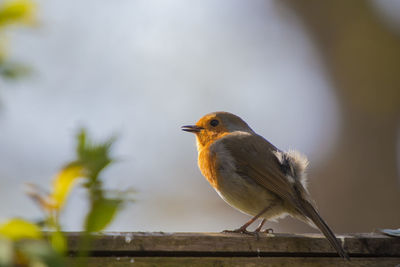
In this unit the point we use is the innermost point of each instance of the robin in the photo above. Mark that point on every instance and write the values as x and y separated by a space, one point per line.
253 176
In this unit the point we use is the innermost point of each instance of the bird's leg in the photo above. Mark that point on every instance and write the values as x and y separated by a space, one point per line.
258 229
243 228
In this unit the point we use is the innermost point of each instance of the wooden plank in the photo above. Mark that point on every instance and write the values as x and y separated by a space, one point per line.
235 245
246 261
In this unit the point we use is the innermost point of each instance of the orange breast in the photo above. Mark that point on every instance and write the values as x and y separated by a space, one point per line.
208 165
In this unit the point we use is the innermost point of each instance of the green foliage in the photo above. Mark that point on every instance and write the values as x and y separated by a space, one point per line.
17 229
22 243
6 252
101 214
29 253
91 159
94 157
37 253
12 70
58 241
14 12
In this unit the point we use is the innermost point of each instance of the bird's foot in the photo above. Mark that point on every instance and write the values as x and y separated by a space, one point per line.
242 230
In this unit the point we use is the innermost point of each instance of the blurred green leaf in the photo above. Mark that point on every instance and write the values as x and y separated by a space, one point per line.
39 252
58 241
6 252
13 70
17 11
16 229
94 157
62 186
14 12
101 214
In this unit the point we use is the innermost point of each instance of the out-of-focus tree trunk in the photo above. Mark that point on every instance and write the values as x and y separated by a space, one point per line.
359 189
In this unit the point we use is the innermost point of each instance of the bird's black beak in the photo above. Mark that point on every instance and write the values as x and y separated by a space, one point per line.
192 128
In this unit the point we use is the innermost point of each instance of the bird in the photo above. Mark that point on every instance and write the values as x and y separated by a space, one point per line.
253 176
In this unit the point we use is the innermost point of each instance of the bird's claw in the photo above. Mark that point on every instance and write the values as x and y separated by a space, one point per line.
242 230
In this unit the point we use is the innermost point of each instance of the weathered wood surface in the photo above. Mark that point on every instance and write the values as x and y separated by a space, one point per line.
237 262
221 249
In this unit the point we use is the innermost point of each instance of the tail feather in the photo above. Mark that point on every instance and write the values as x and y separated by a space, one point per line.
313 215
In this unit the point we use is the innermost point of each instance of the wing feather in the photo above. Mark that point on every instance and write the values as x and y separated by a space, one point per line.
257 159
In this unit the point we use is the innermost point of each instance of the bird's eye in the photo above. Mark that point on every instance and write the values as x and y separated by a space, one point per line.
214 123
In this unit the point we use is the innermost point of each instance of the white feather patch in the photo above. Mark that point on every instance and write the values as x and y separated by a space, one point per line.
297 162
300 160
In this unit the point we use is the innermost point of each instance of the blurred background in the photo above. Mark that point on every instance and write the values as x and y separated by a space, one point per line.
322 77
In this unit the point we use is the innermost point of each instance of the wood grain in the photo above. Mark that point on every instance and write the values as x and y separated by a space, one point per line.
217 261
159 244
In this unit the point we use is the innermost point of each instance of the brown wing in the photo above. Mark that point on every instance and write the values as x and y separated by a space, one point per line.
255 159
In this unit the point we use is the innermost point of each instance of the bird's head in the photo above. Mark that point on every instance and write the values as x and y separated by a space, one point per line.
216 125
